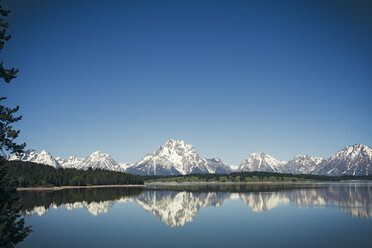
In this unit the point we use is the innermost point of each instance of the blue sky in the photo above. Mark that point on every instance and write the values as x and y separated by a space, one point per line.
229 77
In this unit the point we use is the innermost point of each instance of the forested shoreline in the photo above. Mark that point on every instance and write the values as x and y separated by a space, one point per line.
28 174
255 176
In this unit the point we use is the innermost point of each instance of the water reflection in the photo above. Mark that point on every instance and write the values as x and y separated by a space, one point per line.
177 205
96 201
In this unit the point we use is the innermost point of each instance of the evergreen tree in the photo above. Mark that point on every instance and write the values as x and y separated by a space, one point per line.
6 74
7 133
12 230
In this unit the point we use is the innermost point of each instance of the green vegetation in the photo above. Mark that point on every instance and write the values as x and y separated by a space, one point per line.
12 225
256 176
28 174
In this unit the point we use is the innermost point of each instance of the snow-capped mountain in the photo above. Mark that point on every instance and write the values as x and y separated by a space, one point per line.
215 165
43 157
124 166
176 157
302 164
262 162
70 162
352 160
99 160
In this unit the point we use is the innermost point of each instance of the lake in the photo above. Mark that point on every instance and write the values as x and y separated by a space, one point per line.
254 215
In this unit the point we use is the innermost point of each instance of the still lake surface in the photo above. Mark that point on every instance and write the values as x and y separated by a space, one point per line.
254 215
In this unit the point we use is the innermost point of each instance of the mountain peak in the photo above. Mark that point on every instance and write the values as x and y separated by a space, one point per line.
351 160
261 162
172 144
303 164
255 154
260 155
175 141
359 146
354 151
176 157
99 160
43 157
97 153
175 150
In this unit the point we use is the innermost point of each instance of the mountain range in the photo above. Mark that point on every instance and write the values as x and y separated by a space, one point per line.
176 157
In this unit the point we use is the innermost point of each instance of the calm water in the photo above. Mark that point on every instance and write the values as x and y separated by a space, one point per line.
296 215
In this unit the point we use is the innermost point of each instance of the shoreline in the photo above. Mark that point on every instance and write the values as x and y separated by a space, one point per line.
258 182
79 187
235 183
173 184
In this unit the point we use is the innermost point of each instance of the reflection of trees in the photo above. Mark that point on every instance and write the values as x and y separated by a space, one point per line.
176 206
352 198
97 200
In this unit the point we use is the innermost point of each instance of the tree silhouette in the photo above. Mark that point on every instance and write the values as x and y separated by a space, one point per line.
12 229
6 74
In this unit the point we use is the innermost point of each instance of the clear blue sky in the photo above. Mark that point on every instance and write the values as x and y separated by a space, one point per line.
229 77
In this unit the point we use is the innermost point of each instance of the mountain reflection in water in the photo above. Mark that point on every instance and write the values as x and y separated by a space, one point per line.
177 205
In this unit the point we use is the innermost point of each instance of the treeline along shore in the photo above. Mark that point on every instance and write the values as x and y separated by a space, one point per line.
33 175
247 177
28 174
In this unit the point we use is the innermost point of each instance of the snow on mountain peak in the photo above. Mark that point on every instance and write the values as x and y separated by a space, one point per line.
176 157
303 164
43 157
124 166
99 160
71 162
97 153
96 160
174 141
353 151
176 149
257 154
262 162
351 160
